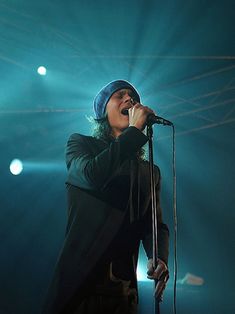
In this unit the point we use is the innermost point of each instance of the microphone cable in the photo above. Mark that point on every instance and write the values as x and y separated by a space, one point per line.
174 219
175 266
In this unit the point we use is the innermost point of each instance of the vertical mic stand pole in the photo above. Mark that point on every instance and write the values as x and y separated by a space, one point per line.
154 211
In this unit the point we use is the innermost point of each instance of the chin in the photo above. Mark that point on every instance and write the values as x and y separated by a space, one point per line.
124 128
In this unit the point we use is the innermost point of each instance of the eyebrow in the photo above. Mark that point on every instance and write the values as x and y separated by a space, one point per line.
122 92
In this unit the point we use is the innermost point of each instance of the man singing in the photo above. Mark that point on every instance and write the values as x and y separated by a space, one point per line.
109 212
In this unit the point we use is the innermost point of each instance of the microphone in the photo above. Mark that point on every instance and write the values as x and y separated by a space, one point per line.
152 119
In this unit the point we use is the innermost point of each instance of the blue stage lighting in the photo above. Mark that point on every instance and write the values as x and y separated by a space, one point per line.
16 167
141 273
42 70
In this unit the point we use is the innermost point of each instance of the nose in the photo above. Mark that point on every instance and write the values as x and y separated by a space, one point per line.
132 101
127 98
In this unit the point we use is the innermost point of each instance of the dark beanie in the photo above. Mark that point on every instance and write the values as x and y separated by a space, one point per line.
102 98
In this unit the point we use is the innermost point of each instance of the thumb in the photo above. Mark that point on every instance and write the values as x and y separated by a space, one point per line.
150 269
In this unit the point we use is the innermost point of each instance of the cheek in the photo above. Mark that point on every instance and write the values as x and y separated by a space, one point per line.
113 115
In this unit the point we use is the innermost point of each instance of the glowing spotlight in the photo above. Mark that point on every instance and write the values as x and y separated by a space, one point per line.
141 274
16 167
42 70
192 280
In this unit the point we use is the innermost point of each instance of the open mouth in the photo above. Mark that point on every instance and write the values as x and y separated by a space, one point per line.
125 112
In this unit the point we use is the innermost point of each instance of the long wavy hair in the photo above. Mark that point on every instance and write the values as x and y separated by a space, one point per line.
102 130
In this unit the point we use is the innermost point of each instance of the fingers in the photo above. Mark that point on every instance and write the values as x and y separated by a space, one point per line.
160 275
137 107
161 285
158 272
150 268
138 115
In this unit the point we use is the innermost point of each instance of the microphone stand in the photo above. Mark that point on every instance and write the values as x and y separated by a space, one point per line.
154 210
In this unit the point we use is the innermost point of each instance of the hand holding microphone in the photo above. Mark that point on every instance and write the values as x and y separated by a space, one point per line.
140 116
160 275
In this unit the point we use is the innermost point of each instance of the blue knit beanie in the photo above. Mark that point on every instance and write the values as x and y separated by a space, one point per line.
102 98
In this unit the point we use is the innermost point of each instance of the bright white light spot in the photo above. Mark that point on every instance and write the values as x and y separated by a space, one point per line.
42 70
141 274
16 167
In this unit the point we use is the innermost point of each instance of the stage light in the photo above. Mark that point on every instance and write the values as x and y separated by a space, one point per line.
42 70
16 166
191 280
141 274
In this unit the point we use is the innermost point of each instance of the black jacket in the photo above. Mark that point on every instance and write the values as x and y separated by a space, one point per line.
107 186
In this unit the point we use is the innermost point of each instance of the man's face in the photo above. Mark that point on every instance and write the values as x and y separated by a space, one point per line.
116 109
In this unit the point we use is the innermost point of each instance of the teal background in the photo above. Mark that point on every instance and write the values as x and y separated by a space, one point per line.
180 55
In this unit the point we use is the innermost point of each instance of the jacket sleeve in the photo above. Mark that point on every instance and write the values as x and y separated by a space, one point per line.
93 172
162 230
